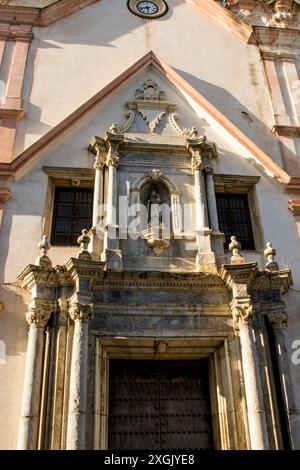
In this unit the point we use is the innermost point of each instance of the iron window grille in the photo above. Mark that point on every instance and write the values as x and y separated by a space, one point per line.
73 209
235 219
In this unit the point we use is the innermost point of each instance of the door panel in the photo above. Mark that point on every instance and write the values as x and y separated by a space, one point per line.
159 405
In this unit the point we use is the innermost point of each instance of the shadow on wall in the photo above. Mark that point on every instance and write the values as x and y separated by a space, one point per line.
13 324
238 114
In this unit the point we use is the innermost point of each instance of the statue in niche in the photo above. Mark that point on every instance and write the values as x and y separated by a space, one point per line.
154 208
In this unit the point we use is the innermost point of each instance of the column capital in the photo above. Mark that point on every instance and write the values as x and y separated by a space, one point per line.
278 320
202 152
81 311
242 311
39 312
100 159
114 141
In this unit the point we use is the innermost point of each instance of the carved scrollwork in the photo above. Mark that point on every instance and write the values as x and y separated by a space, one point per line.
118 128
185 132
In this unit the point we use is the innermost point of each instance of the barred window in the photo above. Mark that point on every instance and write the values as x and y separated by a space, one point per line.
73 208
234 219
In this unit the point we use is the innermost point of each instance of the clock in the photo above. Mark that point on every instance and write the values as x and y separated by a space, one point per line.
148 9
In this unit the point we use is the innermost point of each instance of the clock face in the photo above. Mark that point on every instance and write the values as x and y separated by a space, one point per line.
147 8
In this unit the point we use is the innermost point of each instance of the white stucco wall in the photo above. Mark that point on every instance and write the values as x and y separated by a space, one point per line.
72 60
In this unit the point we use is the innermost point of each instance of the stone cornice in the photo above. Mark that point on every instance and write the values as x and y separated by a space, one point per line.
279 280
241 273
39 15
83 268
35 275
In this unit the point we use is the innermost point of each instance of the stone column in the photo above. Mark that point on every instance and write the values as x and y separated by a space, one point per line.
112 163
258 431
37 318
239 276
199 192
211 200
98 186
111 249
278 321
80 314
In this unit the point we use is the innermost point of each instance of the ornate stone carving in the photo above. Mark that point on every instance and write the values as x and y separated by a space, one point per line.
274 13
114 141
81 311
84 241
39 312
43 260
234 247
155 174
150 92
117 128
191 133
75 182
154 240
242 313
270 253
278 320
161 347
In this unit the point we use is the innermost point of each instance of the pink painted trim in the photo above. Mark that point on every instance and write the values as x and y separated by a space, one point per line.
149 58
5 194
294 206
42 16
224 18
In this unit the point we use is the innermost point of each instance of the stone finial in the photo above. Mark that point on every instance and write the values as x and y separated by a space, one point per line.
235 247
43 260
83 240
270 253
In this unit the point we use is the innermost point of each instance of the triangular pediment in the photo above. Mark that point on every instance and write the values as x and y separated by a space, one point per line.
178 100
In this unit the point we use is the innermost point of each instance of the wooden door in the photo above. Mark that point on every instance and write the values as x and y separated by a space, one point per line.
159 405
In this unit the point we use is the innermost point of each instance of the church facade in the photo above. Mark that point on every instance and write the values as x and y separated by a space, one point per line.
150 224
